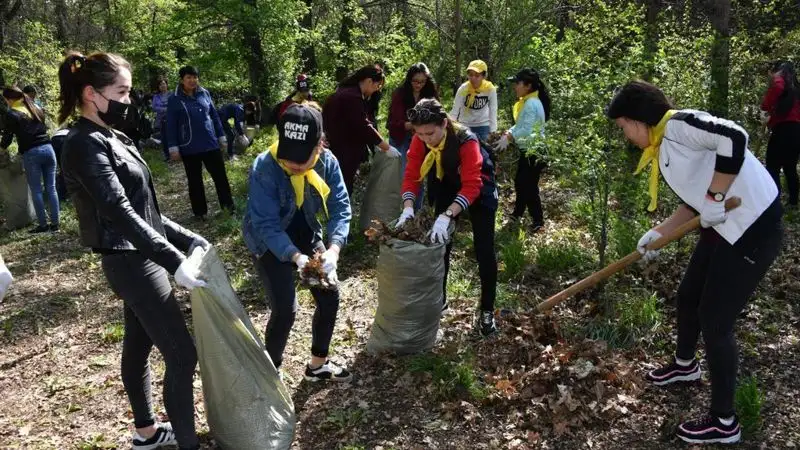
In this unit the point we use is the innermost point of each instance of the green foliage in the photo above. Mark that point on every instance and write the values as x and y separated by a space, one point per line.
452 379
748 405
632 318
513 257
562 254
113 333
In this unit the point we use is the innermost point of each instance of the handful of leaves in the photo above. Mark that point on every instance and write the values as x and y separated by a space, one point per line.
313 275
415 229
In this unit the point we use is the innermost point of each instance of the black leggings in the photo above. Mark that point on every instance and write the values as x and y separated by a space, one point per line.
783 152
718 283
526 185
153 317
215 165
278 280
482 219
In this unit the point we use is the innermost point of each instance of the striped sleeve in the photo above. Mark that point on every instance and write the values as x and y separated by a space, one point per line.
471 181
702 131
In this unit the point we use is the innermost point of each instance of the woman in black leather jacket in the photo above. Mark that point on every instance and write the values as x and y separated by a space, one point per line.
112 189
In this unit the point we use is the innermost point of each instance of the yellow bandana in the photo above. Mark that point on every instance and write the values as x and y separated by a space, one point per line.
521 103
433 156
485 86
650 155
19 105
299 180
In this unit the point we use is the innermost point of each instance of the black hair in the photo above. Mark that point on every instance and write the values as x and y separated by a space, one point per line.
791 90
188 70
30 90
372 72
532 78
430 111
641 101
77 71
428 91
13 93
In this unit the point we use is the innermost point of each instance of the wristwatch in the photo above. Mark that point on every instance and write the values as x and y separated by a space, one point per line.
716 196
448 213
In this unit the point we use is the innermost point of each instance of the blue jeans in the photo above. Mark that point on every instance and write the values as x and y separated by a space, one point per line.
481 132
403 147
40 162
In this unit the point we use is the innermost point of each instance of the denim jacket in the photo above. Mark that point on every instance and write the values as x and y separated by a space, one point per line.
271 207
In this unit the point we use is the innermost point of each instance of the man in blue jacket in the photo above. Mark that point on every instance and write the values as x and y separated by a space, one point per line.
195 136
292 183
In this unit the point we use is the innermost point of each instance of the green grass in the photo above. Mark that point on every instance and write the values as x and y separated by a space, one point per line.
112 333
513 258
748 405
342 419
453 379
634 317
562 256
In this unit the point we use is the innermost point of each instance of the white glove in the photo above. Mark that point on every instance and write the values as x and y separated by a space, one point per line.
440 233
408 213
502 143
223 140
301 262
198 242
188 274
712 213
333 279
5 280
330 261
393 152
650 236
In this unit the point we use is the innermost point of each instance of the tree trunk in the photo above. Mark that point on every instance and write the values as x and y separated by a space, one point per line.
719 12
62 18
254 54
653 8
457 25
562 20
346 40
307 54
8 11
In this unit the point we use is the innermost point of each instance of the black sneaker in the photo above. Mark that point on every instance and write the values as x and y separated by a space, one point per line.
486 324
54 228
164 436
328 372
674 372
537 227
710 430
39 229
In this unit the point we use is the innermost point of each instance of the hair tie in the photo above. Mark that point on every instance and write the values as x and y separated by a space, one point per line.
77 63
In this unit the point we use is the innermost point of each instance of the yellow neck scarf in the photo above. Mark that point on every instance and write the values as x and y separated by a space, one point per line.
433 156
299 180
485 86
521 103
19 105
650 155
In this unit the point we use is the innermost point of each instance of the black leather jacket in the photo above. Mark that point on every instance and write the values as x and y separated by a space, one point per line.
112 189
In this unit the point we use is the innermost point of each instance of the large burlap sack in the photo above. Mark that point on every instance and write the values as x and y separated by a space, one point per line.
382 200
410 283
247 404
15 194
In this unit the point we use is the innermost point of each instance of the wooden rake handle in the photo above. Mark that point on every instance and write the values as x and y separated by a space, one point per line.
595 278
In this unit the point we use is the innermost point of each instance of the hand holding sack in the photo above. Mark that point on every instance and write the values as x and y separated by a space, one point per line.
408 213
440 232
393 152
188 273
199 242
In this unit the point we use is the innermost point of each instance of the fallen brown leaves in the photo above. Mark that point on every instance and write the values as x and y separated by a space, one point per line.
313 275
415 229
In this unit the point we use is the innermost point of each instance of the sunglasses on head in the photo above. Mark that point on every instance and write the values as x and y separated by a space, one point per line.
422 115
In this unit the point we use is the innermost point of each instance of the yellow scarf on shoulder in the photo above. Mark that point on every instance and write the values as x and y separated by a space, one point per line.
299 180
521 103
650 155
19 105
485 86
433 156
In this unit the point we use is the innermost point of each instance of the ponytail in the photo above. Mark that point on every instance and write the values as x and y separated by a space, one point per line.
13 93
544 97
78 71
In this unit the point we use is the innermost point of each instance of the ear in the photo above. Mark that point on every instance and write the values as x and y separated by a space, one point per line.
88 94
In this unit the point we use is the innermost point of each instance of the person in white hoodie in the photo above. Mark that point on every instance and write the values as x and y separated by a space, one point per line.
475 104
704 160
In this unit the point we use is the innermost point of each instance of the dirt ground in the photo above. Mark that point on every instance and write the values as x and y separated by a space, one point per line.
537 384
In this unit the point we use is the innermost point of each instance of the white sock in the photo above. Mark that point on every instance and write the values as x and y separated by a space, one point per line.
727 421
683 362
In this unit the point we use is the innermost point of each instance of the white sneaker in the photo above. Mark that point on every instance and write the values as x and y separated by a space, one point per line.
164 436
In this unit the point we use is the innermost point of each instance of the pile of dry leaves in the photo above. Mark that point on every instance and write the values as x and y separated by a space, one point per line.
570 386
313 275
415 229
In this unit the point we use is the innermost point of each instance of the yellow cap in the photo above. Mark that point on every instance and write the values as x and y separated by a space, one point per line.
477 66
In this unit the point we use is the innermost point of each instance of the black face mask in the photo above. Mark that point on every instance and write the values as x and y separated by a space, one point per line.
116 114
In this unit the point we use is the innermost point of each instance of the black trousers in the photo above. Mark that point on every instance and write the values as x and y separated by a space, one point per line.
718 283
153 317
783 152
482 220
215 165
526 185
278 279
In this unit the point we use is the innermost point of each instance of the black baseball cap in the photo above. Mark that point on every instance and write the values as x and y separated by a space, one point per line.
527 76
300 131
303 83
